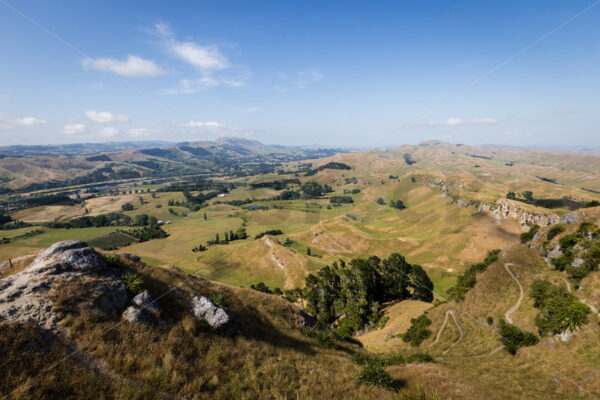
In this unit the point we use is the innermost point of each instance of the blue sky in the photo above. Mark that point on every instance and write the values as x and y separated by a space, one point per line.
374 74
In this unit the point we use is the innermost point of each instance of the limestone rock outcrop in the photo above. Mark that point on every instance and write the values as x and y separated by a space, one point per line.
57 272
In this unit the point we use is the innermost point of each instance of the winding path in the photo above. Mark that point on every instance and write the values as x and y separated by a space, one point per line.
514 308
460 330
276 260
584 301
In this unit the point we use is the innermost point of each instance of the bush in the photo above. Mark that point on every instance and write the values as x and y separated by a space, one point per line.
127 207
514 338
399 204
113 261
469 278
419 357
527 236
555 231
568 241
219 300
325 338
363 359
373 374
341 200
134 283
490 321
261 287
418 331
559 309
273 232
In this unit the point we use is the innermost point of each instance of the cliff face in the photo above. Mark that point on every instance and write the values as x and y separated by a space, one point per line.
503 208
499 209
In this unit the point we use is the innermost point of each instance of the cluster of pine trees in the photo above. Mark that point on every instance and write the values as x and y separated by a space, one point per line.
230 236
350 295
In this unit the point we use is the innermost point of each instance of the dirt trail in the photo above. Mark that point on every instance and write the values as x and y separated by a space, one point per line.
268 242
460 330
584 301
514 308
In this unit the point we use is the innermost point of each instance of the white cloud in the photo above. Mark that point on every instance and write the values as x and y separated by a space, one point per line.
204 58
484 121
105 116
74 129
29 121
109 132
305 77
449 122
214 67
251 110
142 132
562 110
191 86
132 66
203 125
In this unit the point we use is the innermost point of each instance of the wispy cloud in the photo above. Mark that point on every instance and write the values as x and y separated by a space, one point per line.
562 110
453 121
108 132
74 129
251 110
484 121
304 78
29 121
105 116
132 66
142 132
203 125
214 67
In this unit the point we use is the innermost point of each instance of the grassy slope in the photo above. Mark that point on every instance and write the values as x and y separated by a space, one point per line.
180 357
551 369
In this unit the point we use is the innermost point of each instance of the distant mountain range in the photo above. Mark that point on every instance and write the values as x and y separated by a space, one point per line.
49 167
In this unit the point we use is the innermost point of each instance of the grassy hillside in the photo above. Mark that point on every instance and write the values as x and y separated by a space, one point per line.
470 346
178 356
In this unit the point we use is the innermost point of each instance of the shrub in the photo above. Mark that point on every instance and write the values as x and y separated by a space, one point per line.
418 331
568 241
527 236
134 283
514 338
113 261
490 321
559 309
341 200
373 374
325 338
363 359
127 207
419 357
261 287
555 231
380 201
399 204
219 300
593 203
273 232
469 278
